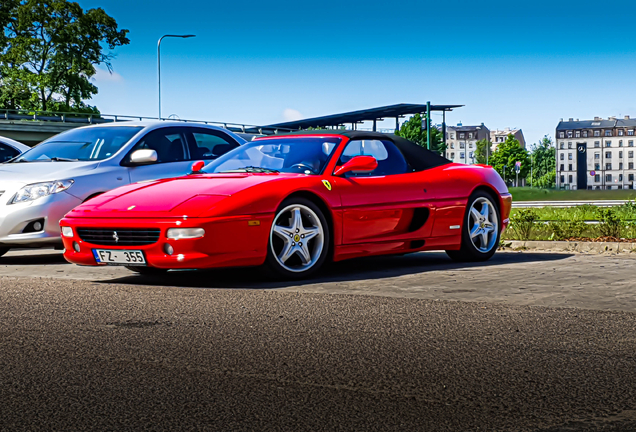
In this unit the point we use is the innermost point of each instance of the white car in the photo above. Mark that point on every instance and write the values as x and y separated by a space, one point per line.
40 186
10 148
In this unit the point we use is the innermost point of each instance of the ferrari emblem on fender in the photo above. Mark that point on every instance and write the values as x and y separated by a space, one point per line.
327 184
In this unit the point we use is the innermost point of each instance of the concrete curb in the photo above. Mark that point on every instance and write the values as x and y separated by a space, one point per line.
573 246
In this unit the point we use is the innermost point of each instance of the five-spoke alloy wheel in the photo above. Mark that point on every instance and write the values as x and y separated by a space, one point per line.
298 239
480 230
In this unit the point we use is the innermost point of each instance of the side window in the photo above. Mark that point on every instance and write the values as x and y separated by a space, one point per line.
209 145
7 152
390 159
169 145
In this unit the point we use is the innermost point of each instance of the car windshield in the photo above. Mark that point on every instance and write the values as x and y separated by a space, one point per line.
85 144
306 155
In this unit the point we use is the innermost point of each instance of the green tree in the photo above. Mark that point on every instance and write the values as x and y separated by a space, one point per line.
415 130
544 163
50 51
483 151
507 154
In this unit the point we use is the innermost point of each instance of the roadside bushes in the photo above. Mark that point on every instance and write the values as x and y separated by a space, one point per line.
553 223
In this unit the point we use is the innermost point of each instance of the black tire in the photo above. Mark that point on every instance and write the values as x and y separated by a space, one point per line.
147 270
468 252
4 251
272 263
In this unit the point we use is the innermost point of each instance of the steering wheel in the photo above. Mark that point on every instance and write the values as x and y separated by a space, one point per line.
304 167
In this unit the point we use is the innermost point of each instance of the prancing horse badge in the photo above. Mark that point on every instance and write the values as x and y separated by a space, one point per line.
327 184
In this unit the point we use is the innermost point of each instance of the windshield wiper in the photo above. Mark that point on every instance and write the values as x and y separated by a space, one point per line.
61 159
252 169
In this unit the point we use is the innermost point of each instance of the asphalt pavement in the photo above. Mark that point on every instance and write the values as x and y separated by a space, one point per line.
407 343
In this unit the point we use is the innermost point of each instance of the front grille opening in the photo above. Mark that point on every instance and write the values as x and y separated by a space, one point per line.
34 226
119 237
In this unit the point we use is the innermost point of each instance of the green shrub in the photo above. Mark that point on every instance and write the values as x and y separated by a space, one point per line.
612 222
565 229
522 223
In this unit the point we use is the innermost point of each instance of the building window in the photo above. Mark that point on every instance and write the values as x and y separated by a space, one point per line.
562 145
630 144
620 165
569 167
461 135
562 156
562 179
608 155
452 136
608 143
620 143
608 166
630 132
620 154
569 156
452 145
461 155
561 167
470 145
569 134
597 133
452 155
630 165
620 132
569 145
597 144
597 178
461 145
578 134
630 177
608 133
569 179
608 177
561 134
620 177
470 155
597 166
584 134
597 155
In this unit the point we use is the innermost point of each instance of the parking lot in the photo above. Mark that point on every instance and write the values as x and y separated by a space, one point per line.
527 341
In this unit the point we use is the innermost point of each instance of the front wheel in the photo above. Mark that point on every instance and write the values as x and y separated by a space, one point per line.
298 240
480 230
147 270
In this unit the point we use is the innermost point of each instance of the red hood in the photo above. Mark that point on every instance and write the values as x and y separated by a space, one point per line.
182 196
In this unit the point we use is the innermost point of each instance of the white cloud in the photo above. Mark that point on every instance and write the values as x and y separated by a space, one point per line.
102 75
291 115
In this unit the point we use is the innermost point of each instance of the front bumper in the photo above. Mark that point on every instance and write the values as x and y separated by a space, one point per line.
15 217
228 241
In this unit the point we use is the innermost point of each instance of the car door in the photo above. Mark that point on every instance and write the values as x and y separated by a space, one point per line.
381 205
172 155
208 144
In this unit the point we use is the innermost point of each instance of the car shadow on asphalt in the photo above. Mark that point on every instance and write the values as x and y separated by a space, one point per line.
46 257
345 271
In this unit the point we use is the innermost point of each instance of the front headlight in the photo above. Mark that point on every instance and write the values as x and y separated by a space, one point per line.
185 233
38 190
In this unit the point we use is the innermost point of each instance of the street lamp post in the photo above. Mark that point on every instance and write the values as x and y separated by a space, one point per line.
159 62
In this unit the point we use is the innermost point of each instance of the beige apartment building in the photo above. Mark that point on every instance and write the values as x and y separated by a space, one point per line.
499 136
595 154
461 142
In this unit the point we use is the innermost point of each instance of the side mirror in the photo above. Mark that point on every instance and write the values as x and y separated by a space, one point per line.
358 165
143 157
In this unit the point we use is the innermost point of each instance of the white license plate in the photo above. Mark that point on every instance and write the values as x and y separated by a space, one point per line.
121 257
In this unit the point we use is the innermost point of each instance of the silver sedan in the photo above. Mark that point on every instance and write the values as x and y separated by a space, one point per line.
10 148
40 186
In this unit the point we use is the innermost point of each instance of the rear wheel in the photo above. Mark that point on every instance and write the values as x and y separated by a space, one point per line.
147 270
480 230
4 251
298 240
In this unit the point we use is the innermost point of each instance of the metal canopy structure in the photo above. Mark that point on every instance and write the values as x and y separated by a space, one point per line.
355 117
373 114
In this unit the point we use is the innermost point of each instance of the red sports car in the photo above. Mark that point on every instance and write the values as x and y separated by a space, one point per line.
293 202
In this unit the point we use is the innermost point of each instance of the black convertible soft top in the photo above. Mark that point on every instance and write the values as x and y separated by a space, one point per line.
418 157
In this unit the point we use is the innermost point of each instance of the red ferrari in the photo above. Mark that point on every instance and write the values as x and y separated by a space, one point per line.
293 202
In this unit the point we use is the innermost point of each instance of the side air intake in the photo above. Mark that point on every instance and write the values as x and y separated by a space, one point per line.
420 216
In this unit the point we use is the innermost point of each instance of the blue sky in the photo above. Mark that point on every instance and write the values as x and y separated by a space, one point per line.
512 63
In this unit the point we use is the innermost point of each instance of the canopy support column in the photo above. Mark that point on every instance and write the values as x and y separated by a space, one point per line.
428 125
